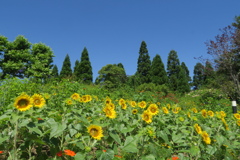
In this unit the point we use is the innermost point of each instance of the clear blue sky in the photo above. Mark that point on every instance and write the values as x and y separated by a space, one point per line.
112 30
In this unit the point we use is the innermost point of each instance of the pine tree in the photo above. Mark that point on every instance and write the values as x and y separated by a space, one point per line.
209 73
183 65
75 70
55 71
158 72
66 71
183 78
173 69
198 77
84 69
143 64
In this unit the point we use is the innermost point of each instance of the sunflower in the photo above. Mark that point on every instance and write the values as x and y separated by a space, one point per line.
134 111
142 104
121 101
204 113
147 117
153 109
198 128
75 96
23 102
38 100
223 114
95 131
84 99
109 111
111 105
195 110
237 115
206 137
108 100
210 113
89 98
68 101
133 103
124 106
165 110
238 122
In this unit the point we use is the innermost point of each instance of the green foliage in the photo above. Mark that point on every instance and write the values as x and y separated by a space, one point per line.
16 57
83 71
111 76
143 64
40 65
198 77
157 71
55 71
66 71
178 76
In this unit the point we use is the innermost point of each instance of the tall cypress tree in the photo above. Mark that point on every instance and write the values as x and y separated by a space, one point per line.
66 71
198 77
84 70
143 64
55 71
173 69
183 78
158 72
185 68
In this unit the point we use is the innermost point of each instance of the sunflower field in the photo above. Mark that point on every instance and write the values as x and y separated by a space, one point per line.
67 120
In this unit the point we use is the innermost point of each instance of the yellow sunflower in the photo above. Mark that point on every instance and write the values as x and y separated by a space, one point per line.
84 99
121 101
124 106
142 104
223 114
204 113
198 129
238 122
165 110
210 113
133 103
195 110
237 115
109 111
69 101
134 111
206 137
153 109
108 100
89 98
75 96
95 131
147 117
38 100
23 102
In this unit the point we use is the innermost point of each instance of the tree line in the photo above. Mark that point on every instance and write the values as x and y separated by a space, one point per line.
22 59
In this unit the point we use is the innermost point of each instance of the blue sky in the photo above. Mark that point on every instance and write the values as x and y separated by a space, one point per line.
112 30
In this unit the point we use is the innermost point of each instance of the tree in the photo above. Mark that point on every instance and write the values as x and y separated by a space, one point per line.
158 74
209 74
183 85
3 48
173 69
198 77
16 57
55 71
225 53
40 62
143 64
110 76
84 68
66 71
185 68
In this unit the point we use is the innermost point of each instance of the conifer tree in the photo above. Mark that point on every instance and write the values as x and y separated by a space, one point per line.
185 68
84 70
209 73
55 71
183 78
158 72
173 69
198 77
143 64
66 71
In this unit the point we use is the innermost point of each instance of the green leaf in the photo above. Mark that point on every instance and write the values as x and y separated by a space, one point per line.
72 132
116 137
149 157
79 156
4 117
56 128
108 155
130 144
164 136
194 150
211 149
177 138
2 139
